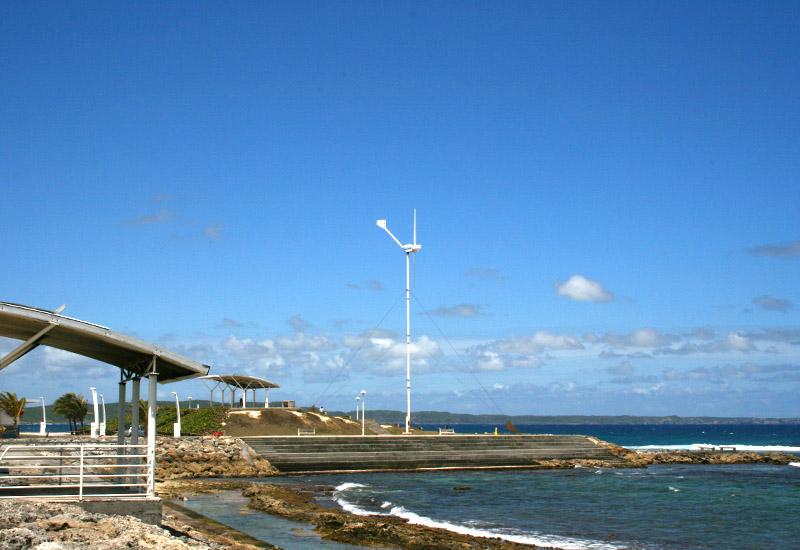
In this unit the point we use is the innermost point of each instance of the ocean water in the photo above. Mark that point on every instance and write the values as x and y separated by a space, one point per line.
658 508
784 437
662 507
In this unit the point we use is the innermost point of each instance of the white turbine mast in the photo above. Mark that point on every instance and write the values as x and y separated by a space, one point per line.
408 249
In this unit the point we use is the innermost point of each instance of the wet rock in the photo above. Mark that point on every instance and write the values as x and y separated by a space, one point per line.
50 526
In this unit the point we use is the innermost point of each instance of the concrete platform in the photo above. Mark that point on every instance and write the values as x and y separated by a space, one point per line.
347 453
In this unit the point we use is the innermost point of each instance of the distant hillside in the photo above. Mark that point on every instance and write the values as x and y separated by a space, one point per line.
33 414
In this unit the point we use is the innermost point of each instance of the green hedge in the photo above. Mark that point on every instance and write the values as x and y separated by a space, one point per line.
193 421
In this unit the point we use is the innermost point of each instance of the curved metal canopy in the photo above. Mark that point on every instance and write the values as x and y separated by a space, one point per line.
42 327
241 381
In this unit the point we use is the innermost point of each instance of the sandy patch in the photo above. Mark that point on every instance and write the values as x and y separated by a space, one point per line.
251 414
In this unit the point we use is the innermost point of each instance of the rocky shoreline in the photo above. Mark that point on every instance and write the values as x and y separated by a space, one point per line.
51 526
183 464
298 504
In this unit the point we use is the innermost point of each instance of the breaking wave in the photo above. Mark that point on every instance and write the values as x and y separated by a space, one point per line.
550 541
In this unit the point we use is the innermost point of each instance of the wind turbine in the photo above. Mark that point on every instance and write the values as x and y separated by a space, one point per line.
408 249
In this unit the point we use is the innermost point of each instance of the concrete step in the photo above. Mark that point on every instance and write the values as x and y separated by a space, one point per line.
318 453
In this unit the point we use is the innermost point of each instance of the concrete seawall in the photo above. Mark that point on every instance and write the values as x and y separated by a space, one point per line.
333 453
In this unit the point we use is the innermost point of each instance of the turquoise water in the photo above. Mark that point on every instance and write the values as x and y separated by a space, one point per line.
230 508
661 507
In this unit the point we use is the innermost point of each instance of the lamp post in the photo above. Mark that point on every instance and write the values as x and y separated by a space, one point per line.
43 423
176 427
358 405
95 424
102 431
363 410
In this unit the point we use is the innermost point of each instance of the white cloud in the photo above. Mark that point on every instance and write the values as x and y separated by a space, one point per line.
583 289
771 303
539 341
459 310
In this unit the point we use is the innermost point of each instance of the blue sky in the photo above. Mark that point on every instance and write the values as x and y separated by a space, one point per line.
607 197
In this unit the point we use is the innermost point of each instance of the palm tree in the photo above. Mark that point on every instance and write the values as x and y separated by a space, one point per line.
81 409
62 406
13 406
74 408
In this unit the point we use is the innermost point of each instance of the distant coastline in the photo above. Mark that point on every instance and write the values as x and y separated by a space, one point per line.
440 417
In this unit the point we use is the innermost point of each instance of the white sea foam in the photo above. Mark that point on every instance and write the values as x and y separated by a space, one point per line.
739 447
345 486
349 506
795 464
538 539
550 541
673 489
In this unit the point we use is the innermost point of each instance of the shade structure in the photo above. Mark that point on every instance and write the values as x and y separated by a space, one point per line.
241 381
42 327
232 383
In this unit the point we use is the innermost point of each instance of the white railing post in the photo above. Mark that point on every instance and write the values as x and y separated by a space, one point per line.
80 475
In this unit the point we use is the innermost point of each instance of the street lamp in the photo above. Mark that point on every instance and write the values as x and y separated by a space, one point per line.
94 425
43 423
176 427
363 410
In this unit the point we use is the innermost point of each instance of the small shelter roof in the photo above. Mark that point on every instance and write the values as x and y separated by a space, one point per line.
42 327
241 381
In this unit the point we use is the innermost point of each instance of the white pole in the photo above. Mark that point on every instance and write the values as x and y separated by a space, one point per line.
363 411
176 427
43 425
358 402
103 422
408 343
190 401
135 398
94 424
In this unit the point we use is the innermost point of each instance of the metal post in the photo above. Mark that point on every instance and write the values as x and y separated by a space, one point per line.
363 415
135 398
121 428
408 343
121 414
43 425
102 429
95 426
80 475
151 430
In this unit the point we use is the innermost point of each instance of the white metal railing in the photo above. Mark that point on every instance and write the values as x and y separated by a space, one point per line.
73 471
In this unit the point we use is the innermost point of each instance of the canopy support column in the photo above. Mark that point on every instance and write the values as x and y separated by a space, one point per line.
151 429
121 414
